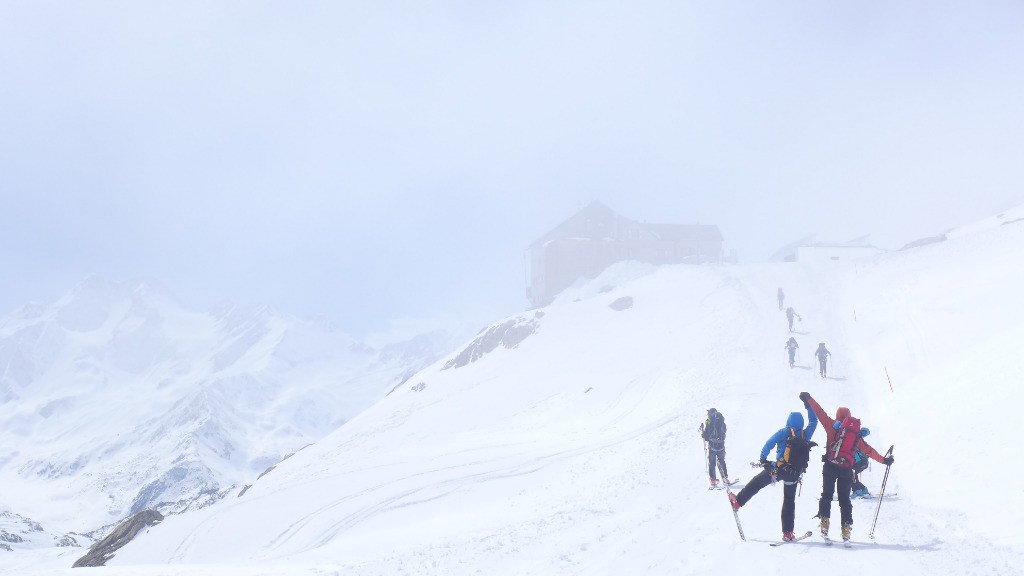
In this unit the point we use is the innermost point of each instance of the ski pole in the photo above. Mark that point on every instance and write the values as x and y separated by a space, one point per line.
707 461
881 493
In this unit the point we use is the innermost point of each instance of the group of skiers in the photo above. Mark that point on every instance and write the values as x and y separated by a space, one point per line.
846 456
822 353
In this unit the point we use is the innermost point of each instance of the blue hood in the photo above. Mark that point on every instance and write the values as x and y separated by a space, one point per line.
795 421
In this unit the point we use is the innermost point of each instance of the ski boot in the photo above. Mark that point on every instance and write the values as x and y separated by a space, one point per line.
824 526
788 536
862 493
714 483
732 500
847 529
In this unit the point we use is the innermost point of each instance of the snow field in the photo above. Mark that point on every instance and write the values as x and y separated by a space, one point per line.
578 451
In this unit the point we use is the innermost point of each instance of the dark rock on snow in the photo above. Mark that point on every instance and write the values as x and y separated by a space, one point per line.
104 550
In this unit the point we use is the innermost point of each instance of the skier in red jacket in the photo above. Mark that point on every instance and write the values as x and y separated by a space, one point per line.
837 474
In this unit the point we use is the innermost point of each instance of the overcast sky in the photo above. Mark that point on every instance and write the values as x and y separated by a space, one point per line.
387 163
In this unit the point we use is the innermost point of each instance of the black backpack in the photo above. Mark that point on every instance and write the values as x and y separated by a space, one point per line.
714 431
795 457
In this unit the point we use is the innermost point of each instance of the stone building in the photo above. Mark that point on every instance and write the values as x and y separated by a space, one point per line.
597 237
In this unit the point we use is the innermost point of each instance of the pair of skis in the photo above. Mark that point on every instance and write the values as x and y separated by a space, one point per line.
721 485
797 539
828 541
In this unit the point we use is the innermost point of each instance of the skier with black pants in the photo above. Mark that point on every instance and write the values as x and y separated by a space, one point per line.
792 446
822 354
790 314
843 438
791 348
713 432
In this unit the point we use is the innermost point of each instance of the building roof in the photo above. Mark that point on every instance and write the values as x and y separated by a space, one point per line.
668 232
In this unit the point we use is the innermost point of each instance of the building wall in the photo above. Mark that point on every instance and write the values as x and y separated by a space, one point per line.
557 264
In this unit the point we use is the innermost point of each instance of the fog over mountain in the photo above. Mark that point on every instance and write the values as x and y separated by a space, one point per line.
115 398
387 164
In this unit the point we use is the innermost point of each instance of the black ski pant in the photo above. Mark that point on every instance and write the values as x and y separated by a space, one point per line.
836 479
763 479
822 365
792 356
717 458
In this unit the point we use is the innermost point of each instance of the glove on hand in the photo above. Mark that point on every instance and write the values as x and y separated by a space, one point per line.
804 396
765 464
888 460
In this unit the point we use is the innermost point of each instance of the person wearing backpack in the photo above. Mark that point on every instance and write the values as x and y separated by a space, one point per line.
713 432
822 354
792 451
843 438
781 296
790 314
860 464
791 348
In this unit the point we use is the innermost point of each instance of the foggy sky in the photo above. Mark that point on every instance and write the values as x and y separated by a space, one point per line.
386 164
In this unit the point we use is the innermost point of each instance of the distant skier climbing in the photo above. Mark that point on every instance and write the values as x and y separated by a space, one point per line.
792 451
782 298
791 347
790 314
822 354
713 432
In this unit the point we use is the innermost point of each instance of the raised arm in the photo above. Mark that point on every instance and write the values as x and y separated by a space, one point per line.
812 422
817 410
871 452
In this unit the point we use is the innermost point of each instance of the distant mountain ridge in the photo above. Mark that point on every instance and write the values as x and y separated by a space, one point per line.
116 398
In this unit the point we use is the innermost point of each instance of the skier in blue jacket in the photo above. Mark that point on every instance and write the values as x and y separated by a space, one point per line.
860 464
789 466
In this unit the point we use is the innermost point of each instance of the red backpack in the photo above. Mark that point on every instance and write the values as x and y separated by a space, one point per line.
843 448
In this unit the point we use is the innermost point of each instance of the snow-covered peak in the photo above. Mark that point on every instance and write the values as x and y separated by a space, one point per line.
117 397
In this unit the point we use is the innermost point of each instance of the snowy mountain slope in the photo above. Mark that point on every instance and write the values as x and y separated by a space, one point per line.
947 324
576 451
116 398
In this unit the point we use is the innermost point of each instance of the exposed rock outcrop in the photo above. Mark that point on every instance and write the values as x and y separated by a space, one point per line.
924 242
509 334
104 550
624 303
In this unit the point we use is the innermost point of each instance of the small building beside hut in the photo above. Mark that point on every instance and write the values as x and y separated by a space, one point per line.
809 251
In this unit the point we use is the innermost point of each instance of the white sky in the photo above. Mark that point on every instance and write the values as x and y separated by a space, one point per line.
376 162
